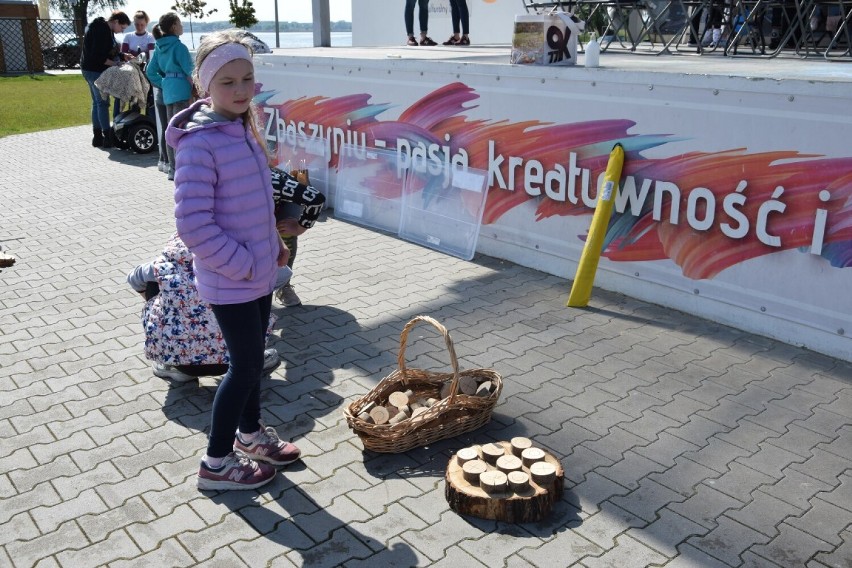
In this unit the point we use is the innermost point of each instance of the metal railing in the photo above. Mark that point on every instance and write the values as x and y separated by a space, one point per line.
32 45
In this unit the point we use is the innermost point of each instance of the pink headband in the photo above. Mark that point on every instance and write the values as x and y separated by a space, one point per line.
218 58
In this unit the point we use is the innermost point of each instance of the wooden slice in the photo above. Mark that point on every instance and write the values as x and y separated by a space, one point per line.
494 482
509 463
472 470
417 412
365 416
526 501
542 472
465 455
520 444
532 455
398 417
519 481
490 453
380 414
446 389
398 399
468 385
483 389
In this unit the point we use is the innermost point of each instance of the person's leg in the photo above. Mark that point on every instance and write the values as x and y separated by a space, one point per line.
464 15
286 295
98 137
237 400
171 110
455 15
100 106
409 17
162 122
423 17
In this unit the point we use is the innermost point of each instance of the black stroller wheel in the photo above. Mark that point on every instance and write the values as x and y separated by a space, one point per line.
142 138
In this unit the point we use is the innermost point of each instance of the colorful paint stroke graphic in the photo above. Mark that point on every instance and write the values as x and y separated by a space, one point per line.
755 204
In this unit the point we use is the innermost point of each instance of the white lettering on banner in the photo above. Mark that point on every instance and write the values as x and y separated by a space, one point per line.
562 183
434 159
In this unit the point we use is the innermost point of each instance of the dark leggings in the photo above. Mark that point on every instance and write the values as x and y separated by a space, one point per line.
423 15
237 400
459 14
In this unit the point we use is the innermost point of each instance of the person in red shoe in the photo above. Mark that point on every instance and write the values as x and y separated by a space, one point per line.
423 17
461 23
225 215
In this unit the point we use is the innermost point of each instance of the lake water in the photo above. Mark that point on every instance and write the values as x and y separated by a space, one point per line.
289 39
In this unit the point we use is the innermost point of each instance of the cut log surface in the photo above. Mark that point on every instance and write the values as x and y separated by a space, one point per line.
468 385
520 444
492 452
398 399
523 501
532 455
465 455
472 470
509 463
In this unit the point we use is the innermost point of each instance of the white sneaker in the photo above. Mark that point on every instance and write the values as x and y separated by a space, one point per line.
162 166
286 296
170 372
271 360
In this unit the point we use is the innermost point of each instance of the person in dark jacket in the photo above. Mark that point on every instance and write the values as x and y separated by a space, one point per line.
100 50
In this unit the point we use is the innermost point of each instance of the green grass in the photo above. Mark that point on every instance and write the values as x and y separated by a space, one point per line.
30 103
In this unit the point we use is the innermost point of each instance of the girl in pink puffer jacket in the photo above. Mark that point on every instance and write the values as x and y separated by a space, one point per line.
225 216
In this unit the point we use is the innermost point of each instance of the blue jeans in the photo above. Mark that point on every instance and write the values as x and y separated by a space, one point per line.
100 105
237 400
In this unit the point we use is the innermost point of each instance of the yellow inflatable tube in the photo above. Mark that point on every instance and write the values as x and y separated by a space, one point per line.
581 290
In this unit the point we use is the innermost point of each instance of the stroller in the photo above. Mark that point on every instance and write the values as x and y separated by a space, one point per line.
133 129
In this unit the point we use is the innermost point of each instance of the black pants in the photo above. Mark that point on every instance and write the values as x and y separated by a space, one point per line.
458 10
237 400
423 16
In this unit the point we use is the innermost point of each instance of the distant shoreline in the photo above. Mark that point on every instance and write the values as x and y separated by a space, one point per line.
265 26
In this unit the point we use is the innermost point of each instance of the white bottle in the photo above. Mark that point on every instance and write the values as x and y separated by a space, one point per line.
593 52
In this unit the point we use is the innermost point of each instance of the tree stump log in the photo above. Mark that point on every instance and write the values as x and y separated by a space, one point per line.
533 501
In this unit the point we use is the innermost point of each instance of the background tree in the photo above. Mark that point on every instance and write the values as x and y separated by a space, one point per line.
79 10
189 8
242 16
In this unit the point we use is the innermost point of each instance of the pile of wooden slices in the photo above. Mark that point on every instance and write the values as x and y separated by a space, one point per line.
405 405
509 481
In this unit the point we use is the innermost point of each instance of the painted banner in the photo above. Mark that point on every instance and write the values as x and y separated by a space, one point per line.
712 201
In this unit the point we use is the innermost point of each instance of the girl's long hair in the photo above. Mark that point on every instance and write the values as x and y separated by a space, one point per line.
208 44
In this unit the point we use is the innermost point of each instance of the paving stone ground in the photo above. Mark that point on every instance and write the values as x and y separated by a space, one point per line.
685 442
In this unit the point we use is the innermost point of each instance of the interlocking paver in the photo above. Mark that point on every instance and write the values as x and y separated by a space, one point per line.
791 547
728 540
764 513
666 533
726 448
607 524
823 519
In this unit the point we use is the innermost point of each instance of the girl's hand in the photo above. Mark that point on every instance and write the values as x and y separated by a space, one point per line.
290 227
283 253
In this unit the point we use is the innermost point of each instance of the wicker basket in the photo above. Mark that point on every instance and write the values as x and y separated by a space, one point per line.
456 414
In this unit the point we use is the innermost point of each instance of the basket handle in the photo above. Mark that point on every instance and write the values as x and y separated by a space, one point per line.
403 339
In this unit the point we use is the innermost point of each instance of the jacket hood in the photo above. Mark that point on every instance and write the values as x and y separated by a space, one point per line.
168 43
199 116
